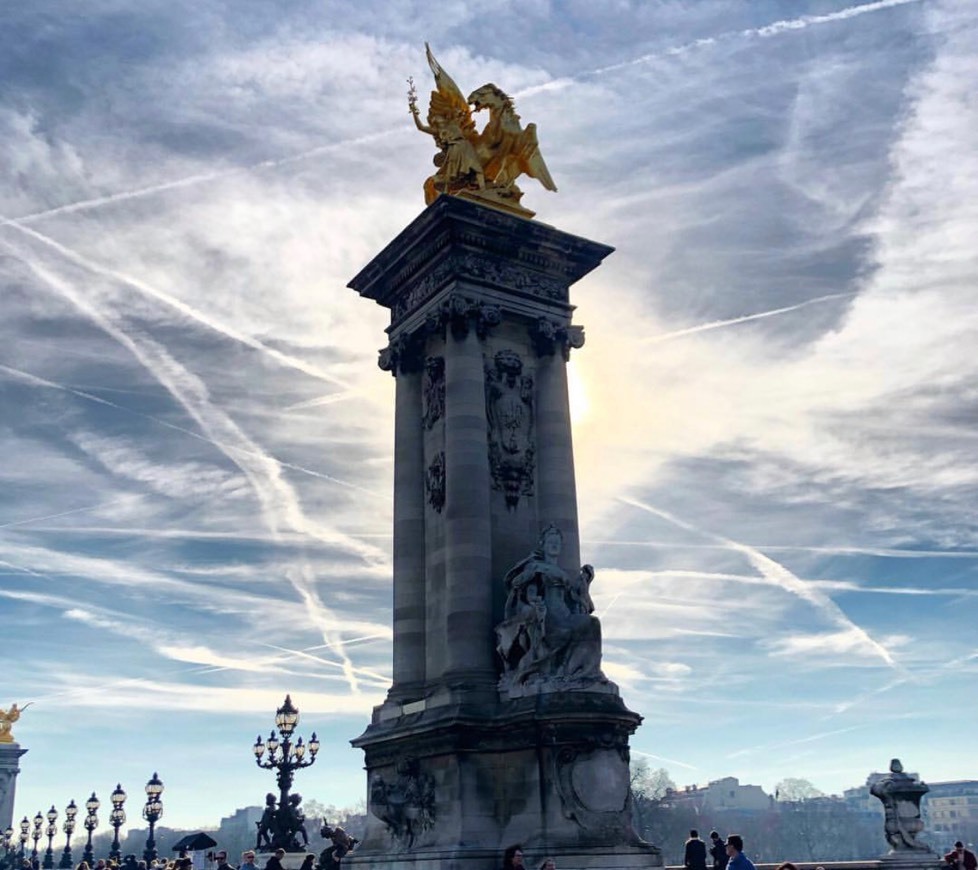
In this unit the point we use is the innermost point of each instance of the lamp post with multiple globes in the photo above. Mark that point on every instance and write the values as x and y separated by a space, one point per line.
36 835
91 823
69 828
51 832
285 758
25 826
117 818
152 812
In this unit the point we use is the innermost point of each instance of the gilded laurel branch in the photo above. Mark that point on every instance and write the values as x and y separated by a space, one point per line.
481 165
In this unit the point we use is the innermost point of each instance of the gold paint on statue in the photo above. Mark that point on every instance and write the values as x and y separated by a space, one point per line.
482 165
7 719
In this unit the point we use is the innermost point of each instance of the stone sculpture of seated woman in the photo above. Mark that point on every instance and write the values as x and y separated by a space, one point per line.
549 640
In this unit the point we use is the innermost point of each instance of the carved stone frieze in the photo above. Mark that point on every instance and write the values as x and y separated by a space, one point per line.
480 269
509 415
548 336
405 803
434 482
433 391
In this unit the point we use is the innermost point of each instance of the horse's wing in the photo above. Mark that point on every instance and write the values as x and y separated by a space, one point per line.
534 164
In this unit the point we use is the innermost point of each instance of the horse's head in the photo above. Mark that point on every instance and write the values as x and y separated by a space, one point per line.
489 97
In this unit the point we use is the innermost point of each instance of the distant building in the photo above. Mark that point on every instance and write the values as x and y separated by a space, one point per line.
240 826
950 811
721 794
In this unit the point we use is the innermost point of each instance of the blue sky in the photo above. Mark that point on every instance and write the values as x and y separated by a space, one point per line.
774 413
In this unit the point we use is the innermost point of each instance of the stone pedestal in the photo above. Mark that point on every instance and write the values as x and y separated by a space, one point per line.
291 861
10 754
460 765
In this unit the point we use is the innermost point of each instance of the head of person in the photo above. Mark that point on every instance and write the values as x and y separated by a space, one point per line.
221 857
280 854
693 833
734 844
548 863
714 835
959 846
248 857
513 856
787 865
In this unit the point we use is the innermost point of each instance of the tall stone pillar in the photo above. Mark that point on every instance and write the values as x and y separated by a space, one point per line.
409 587
468 524
558 489
513 734
10 754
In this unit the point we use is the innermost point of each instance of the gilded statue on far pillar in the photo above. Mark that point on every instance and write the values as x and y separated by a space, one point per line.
7 719
478 165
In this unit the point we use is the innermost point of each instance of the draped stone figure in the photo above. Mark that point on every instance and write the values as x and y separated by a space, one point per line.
549 640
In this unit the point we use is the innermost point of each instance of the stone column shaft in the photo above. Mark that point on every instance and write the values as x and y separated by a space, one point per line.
556 486
10 754
409 559
468 525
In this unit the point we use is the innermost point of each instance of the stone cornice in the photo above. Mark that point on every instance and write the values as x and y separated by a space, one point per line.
456 239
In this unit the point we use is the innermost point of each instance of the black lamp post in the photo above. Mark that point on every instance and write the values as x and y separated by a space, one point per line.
285 758
25 826
51 831
69 828
36 835
152 812
117 818
9 848
90 823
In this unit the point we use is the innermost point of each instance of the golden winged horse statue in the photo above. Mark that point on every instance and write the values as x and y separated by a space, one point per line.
478 165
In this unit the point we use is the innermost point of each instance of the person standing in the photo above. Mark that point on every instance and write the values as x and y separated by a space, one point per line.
718 851
513 857
960 858
735 853
694 857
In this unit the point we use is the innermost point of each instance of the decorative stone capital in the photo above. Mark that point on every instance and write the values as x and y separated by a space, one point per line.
404 354
550 335
460 314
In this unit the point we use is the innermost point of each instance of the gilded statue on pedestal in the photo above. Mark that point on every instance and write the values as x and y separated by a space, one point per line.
479 165
7 719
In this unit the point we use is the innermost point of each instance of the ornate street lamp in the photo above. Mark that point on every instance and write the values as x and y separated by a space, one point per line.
51 832
10 850
90 823
69 828
285 758
117 818
36 835
152 812
25 826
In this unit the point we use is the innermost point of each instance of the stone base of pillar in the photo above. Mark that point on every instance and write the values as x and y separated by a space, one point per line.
911 859
449 786
291 861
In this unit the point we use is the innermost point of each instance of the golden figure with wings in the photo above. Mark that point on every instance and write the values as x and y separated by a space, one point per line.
7 719
478 165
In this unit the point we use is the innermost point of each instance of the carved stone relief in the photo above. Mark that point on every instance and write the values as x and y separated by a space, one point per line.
481 269
509 414
592 779
548 336
433 391
434 482
406 805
